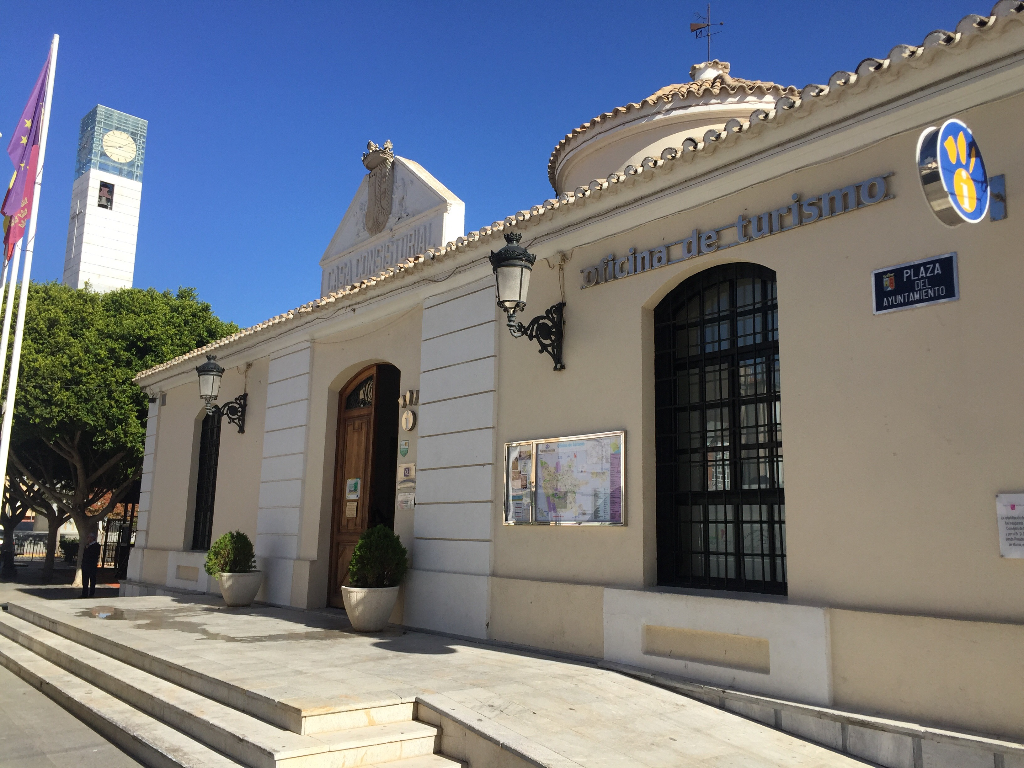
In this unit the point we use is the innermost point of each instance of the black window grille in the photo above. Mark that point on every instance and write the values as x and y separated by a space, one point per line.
721 508
361 396
206 483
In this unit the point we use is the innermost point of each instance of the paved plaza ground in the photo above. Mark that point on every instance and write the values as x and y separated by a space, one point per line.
36 732
29 582
573 711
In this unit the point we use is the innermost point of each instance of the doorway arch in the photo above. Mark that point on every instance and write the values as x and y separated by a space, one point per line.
365 465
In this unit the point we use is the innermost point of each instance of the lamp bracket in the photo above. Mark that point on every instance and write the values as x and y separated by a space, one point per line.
545 329
234 410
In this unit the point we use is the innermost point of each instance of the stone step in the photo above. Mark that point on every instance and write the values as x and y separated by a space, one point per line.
241 736
312 719
142 737
425 761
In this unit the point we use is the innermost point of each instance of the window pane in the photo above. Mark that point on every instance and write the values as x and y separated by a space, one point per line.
748 292
753 379
716 382
716 299
748 330
716 336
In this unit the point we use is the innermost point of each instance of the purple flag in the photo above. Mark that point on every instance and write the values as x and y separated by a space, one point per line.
20 148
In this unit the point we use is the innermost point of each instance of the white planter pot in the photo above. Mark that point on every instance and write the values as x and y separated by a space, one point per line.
239 589
369 609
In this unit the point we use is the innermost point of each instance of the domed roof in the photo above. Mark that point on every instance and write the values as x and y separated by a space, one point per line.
627 134
714 76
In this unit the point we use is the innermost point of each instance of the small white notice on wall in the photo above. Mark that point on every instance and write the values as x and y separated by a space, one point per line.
1010 514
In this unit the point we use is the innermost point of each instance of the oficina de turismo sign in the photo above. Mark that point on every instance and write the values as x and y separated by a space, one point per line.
953 174
798 213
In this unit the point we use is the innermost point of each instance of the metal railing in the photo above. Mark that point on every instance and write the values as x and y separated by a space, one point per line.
30 544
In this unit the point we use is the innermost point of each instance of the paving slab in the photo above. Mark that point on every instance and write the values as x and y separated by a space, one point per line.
37 733
313 661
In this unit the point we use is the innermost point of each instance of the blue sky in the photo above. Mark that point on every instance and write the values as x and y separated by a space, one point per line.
258 112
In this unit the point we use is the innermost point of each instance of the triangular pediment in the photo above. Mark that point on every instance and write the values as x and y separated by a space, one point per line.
424 214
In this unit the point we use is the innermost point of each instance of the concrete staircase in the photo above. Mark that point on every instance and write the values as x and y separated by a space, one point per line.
164 716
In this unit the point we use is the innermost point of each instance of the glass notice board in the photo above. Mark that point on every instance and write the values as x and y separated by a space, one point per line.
566 480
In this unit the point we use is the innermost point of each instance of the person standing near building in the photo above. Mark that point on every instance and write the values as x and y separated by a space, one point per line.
90 564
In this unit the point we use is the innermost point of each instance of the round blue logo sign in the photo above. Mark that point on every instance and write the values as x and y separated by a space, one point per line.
953 173
963 171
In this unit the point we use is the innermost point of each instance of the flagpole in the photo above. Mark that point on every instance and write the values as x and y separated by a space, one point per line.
3 284
3 295
8 311
30 241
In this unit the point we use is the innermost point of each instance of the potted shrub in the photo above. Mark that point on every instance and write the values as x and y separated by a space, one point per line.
377 567
232 561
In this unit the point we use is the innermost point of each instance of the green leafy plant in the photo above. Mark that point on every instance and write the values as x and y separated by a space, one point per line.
231 553
379 559
79 430
69 548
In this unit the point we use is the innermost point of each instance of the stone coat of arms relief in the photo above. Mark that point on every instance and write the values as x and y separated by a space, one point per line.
380 162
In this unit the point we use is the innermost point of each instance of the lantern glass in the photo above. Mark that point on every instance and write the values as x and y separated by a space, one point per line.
209 378
512 283
209 385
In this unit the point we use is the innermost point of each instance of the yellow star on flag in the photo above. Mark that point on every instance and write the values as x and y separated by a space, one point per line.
28 123
24 139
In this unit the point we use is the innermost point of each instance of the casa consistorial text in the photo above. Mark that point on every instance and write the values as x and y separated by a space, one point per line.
800 212
375 259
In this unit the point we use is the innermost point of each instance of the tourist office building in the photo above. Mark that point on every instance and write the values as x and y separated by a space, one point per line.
761 426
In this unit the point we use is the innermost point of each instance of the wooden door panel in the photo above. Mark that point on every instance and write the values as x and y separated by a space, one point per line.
353 460
355 469
365 407
341 558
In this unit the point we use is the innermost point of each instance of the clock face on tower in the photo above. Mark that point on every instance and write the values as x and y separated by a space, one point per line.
119 146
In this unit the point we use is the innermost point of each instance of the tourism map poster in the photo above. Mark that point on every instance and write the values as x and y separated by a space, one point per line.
565 481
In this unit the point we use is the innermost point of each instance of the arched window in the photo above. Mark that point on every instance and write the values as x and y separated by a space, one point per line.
721 507
206 481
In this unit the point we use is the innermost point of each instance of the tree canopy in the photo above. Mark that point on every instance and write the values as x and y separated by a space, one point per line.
79 420
82 349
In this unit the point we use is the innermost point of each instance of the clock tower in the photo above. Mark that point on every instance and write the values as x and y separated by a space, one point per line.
105 201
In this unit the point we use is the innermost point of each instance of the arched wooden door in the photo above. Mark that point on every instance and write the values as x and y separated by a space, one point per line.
364 465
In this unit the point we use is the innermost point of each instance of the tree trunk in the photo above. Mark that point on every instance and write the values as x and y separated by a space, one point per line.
7 572
78 558
52 536
85 525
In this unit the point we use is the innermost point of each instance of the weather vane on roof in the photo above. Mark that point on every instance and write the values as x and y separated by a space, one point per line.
702 28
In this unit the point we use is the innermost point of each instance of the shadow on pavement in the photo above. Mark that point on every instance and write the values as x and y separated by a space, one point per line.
414 643
29 581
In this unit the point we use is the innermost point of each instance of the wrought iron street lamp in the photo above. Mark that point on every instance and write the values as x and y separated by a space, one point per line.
210 374
512 266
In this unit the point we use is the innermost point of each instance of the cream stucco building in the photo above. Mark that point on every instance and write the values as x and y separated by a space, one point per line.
715 246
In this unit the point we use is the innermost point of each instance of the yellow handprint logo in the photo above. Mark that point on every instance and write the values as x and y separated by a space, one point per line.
963 171
963 185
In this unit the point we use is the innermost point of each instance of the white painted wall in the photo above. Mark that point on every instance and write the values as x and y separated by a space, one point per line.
282 469
182 566
447 588
798 639
101 243
146 492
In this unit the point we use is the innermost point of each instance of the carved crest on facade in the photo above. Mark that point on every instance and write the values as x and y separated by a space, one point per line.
380 162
